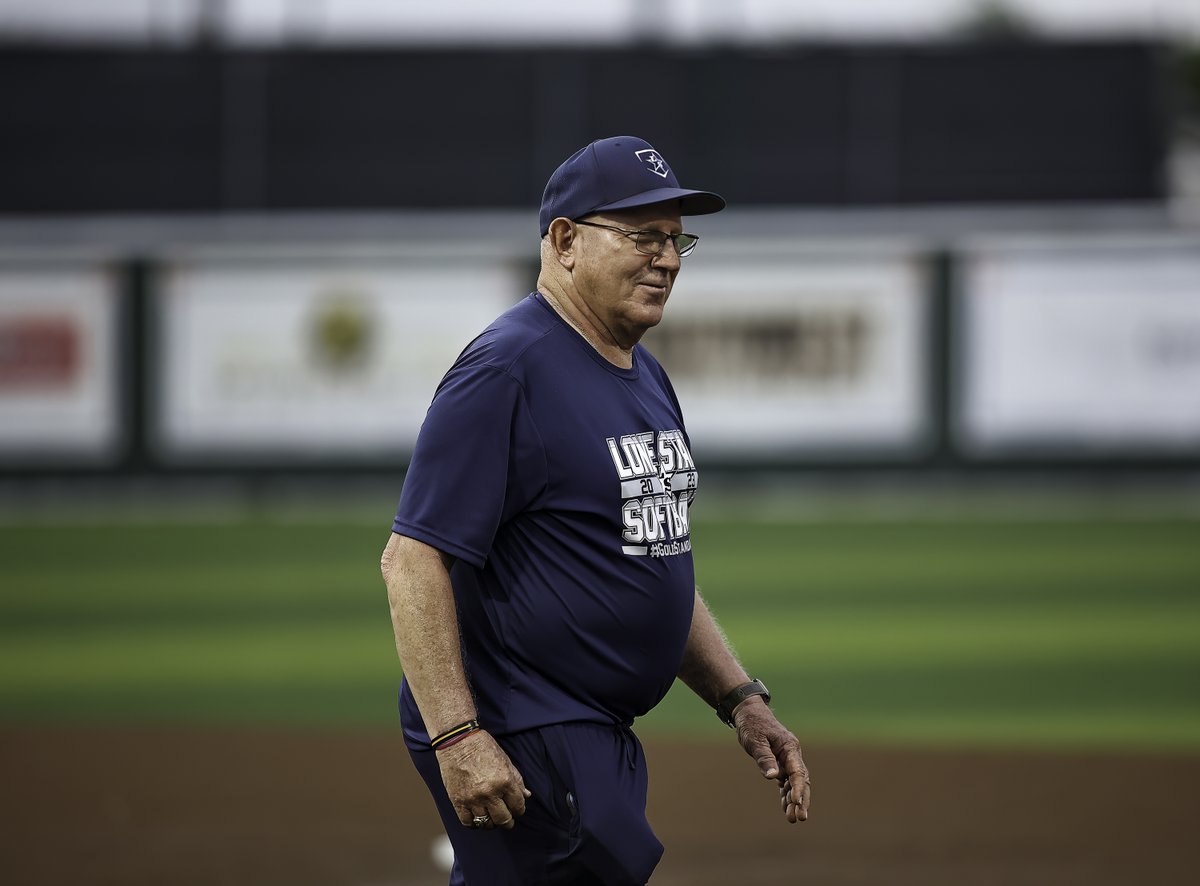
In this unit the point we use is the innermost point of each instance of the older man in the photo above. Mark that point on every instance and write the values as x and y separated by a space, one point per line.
540 571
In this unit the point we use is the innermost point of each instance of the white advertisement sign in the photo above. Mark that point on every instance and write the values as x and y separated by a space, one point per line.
798 356
313 359
1082 350
58 364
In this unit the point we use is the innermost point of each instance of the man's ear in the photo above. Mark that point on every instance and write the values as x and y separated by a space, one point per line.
562 241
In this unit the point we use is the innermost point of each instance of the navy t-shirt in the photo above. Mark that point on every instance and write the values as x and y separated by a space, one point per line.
563 486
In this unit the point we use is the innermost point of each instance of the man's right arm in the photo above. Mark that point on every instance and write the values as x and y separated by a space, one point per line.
479 777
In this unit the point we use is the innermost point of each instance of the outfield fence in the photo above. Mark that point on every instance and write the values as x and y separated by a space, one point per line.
1016 342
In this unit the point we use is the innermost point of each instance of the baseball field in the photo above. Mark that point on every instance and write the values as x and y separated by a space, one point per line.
996 693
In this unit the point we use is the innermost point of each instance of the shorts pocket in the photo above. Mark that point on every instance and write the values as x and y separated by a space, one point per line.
562 800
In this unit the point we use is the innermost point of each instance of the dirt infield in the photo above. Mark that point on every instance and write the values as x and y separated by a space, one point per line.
186 807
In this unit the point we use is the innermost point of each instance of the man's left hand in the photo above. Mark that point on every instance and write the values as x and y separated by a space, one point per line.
777 753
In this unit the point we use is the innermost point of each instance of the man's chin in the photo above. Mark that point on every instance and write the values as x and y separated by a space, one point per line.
648 317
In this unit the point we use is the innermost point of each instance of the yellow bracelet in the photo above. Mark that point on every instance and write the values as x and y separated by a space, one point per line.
460 729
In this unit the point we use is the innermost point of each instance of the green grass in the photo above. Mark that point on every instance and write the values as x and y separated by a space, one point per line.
1068 632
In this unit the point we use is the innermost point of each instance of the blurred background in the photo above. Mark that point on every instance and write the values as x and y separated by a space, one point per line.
940 362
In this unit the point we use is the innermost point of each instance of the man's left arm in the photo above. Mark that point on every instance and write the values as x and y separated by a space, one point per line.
711 671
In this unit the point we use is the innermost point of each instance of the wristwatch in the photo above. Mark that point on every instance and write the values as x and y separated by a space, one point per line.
739 695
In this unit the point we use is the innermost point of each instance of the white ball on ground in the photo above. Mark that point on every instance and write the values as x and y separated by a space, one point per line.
443 853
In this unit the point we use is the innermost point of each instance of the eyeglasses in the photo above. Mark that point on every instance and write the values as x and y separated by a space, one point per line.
652 242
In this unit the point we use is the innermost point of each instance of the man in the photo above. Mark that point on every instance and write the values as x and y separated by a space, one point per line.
540 572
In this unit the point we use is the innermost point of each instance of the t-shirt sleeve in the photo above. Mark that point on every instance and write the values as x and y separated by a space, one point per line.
478 462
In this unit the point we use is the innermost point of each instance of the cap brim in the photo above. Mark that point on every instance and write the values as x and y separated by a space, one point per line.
690 202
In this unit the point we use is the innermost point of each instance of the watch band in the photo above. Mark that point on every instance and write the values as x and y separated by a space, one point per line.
739 695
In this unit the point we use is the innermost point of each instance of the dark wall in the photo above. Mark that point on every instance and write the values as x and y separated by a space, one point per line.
114 131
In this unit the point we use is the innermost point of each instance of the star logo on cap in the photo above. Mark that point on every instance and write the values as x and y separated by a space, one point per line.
653 161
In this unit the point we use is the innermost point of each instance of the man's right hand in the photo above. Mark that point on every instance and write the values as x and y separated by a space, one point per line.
482 781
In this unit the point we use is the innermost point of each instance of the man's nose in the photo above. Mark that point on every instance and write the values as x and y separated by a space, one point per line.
668 256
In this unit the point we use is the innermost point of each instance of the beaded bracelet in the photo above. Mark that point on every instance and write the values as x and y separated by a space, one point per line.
454 734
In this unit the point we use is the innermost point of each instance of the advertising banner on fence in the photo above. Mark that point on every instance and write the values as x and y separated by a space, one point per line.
799 356
1084 350
58 365
312 359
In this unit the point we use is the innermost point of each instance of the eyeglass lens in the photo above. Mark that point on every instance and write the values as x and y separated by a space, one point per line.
653 242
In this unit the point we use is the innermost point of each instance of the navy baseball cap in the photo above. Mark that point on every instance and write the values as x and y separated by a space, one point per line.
617 173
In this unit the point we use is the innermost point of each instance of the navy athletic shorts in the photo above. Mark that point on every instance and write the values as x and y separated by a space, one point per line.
585 824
